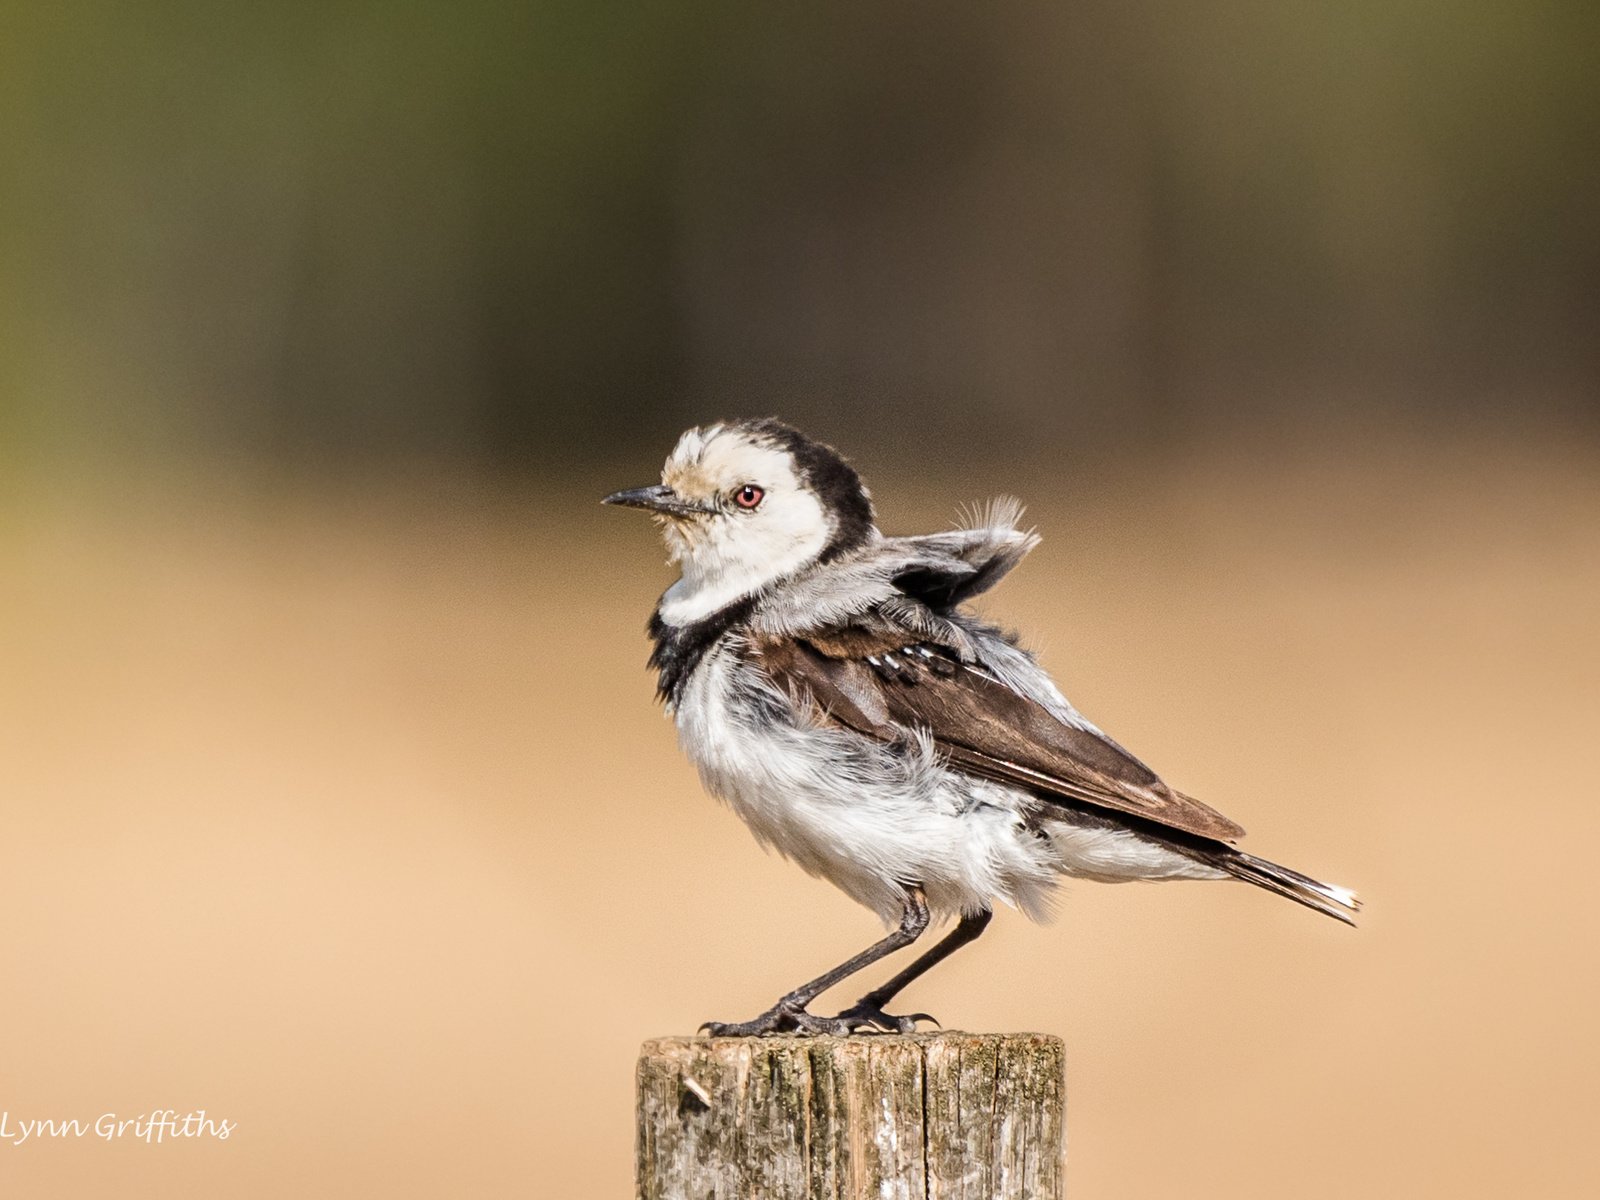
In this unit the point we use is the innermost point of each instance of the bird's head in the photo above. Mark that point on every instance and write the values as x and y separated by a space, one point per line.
745 503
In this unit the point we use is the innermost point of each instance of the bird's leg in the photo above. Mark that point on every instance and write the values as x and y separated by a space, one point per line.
789 1014
867 1012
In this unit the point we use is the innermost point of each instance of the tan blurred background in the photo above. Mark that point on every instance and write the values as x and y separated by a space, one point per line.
334 799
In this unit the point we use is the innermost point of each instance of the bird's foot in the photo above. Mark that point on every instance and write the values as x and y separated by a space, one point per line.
785 1016
866 1017
789 1017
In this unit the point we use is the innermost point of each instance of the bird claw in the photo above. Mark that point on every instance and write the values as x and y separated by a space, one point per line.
784 1018
780 1018
862 1017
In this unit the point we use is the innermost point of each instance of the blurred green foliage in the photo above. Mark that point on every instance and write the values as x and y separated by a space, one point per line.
523 232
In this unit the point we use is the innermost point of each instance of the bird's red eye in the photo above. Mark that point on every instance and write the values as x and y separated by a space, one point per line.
748 496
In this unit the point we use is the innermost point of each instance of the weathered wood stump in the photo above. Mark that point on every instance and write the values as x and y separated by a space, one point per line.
919 1117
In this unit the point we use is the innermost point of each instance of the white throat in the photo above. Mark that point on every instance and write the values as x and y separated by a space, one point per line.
719 570
684 602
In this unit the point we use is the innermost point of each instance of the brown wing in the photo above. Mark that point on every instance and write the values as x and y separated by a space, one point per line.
979 724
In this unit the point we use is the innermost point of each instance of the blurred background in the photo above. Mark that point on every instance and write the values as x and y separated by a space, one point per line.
334 798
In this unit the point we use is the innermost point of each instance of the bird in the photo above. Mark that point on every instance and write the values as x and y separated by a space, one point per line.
830 684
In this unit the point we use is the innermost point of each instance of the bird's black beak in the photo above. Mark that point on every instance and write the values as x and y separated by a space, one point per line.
658 498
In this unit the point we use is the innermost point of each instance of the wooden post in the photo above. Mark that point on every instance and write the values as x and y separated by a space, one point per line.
927 1116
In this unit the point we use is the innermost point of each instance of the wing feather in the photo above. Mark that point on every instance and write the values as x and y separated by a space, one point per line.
890 686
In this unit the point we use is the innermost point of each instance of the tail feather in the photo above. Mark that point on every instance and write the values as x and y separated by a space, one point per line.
1339 903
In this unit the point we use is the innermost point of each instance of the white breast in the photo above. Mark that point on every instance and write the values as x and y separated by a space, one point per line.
870 818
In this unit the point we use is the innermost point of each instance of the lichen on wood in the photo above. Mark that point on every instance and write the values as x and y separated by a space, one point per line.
937 1116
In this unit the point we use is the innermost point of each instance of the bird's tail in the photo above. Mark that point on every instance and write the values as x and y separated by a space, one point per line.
1339 903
